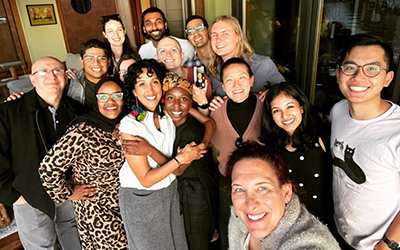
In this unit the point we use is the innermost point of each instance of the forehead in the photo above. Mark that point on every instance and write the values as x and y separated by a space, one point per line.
109 86
152 16
236 68
221 26
50 63
366 54
168 42
194 23
144 75
247 169
113 24
127 63
95 51
177 91
285 98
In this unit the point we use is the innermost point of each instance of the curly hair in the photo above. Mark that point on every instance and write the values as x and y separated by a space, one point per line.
243 48
305 134
152 67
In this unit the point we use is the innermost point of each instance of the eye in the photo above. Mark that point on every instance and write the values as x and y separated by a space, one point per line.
156 81
183 98
213 35
169 98
159 21
262 189
161 51
290 106
226 33
238 191
141 84
274 111
174 50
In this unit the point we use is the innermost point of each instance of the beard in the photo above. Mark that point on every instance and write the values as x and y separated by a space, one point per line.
158 37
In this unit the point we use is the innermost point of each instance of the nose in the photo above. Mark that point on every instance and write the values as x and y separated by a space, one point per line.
252 202
359 74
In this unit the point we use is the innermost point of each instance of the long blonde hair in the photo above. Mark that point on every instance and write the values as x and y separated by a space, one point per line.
243 49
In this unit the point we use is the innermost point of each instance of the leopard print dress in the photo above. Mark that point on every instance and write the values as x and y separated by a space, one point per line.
95 157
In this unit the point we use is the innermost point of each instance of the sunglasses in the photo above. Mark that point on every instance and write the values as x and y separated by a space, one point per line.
105 97
198 28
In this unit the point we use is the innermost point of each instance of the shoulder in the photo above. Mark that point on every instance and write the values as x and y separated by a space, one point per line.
340 106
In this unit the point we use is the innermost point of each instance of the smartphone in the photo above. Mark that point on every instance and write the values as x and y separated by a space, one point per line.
199 80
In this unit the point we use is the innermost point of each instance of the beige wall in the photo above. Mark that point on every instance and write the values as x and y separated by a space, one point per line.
45 40
212 9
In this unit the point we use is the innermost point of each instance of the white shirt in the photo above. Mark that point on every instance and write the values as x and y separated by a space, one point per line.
162 140
366 202
148 51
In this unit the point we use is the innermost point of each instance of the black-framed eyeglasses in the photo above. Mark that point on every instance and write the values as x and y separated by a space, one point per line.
46 72
102 97
369 69
239 142
198 28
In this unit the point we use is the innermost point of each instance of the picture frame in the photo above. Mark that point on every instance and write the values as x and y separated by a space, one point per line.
41 14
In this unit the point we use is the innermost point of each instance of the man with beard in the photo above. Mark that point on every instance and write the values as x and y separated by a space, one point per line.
155 27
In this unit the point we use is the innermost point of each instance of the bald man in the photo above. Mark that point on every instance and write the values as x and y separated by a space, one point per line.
29 127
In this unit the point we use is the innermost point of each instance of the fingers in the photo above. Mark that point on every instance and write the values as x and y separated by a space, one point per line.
216 103
71 74
262 95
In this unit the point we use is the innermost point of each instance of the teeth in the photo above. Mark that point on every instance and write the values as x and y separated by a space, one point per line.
290 121
96 69
256 217
220 47
155 32
150 97
111 108
198 39
358 89
238 91
176 113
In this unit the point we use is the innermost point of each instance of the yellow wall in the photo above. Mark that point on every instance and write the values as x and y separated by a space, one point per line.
212 9
45 40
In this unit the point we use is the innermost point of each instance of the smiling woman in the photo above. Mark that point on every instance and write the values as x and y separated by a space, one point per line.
266 212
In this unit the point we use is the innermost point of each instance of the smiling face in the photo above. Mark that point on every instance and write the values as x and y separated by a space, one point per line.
359 88
258 197
154 26
50 83
170 53
148 90
223 40
95 64
110 109
199 38
114 33
177 104
237 82
287 112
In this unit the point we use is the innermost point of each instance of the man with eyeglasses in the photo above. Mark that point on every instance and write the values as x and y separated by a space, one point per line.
29 127
365 146
197 34
155 27
95 59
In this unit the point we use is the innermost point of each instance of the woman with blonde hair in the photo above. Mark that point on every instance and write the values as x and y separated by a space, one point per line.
227 41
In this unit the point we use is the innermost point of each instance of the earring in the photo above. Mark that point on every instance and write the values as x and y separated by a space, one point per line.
137 104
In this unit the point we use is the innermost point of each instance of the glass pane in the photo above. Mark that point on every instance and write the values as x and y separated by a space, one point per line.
8 52
271 27
340 20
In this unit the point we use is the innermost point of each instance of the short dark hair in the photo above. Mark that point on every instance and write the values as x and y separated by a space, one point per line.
134 56
194 17
154 10
305 135
153 67
367 40
253 150
94 43
234 60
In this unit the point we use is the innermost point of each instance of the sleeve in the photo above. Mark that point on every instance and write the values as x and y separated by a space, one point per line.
129 125
272 74
8 195
60 158
189 50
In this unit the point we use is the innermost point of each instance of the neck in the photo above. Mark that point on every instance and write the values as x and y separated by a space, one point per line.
181 71
53 100
155 43
117 51
255 243
93 80
363 111
179 123
204 53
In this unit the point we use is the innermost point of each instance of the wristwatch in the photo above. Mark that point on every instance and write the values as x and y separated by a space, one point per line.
389 243
204 106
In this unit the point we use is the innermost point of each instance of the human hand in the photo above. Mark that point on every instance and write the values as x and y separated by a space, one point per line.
199 94
116 133
83 192
137 146
217 102
71 73
191 152
14 96
381 246
262 95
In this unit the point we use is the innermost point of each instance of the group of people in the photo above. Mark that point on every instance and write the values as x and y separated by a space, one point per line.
130 154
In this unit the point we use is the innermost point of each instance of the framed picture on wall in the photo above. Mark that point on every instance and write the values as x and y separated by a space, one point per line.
41 14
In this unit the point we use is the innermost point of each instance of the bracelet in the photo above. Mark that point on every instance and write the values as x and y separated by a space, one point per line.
389 243
179 164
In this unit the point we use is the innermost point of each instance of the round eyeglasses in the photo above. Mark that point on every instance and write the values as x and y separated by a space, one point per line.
369 69
105 97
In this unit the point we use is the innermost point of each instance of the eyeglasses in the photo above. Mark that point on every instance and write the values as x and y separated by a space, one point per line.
123 73
92 58
198 28
105 97
46 72
369 69
239 142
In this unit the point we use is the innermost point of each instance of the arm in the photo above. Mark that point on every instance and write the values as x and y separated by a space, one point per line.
148 176
208 123
393 234
136 145
56 163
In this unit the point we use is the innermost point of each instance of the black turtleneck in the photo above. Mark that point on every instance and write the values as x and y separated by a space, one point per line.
240 114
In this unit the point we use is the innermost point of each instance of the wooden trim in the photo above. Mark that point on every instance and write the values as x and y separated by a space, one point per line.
64 31
199 7
136 11
11 242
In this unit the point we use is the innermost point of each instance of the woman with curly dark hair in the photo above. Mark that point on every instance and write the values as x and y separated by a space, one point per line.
148 196
289 126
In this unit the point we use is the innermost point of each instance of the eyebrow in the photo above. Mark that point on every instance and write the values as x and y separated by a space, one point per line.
353 62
